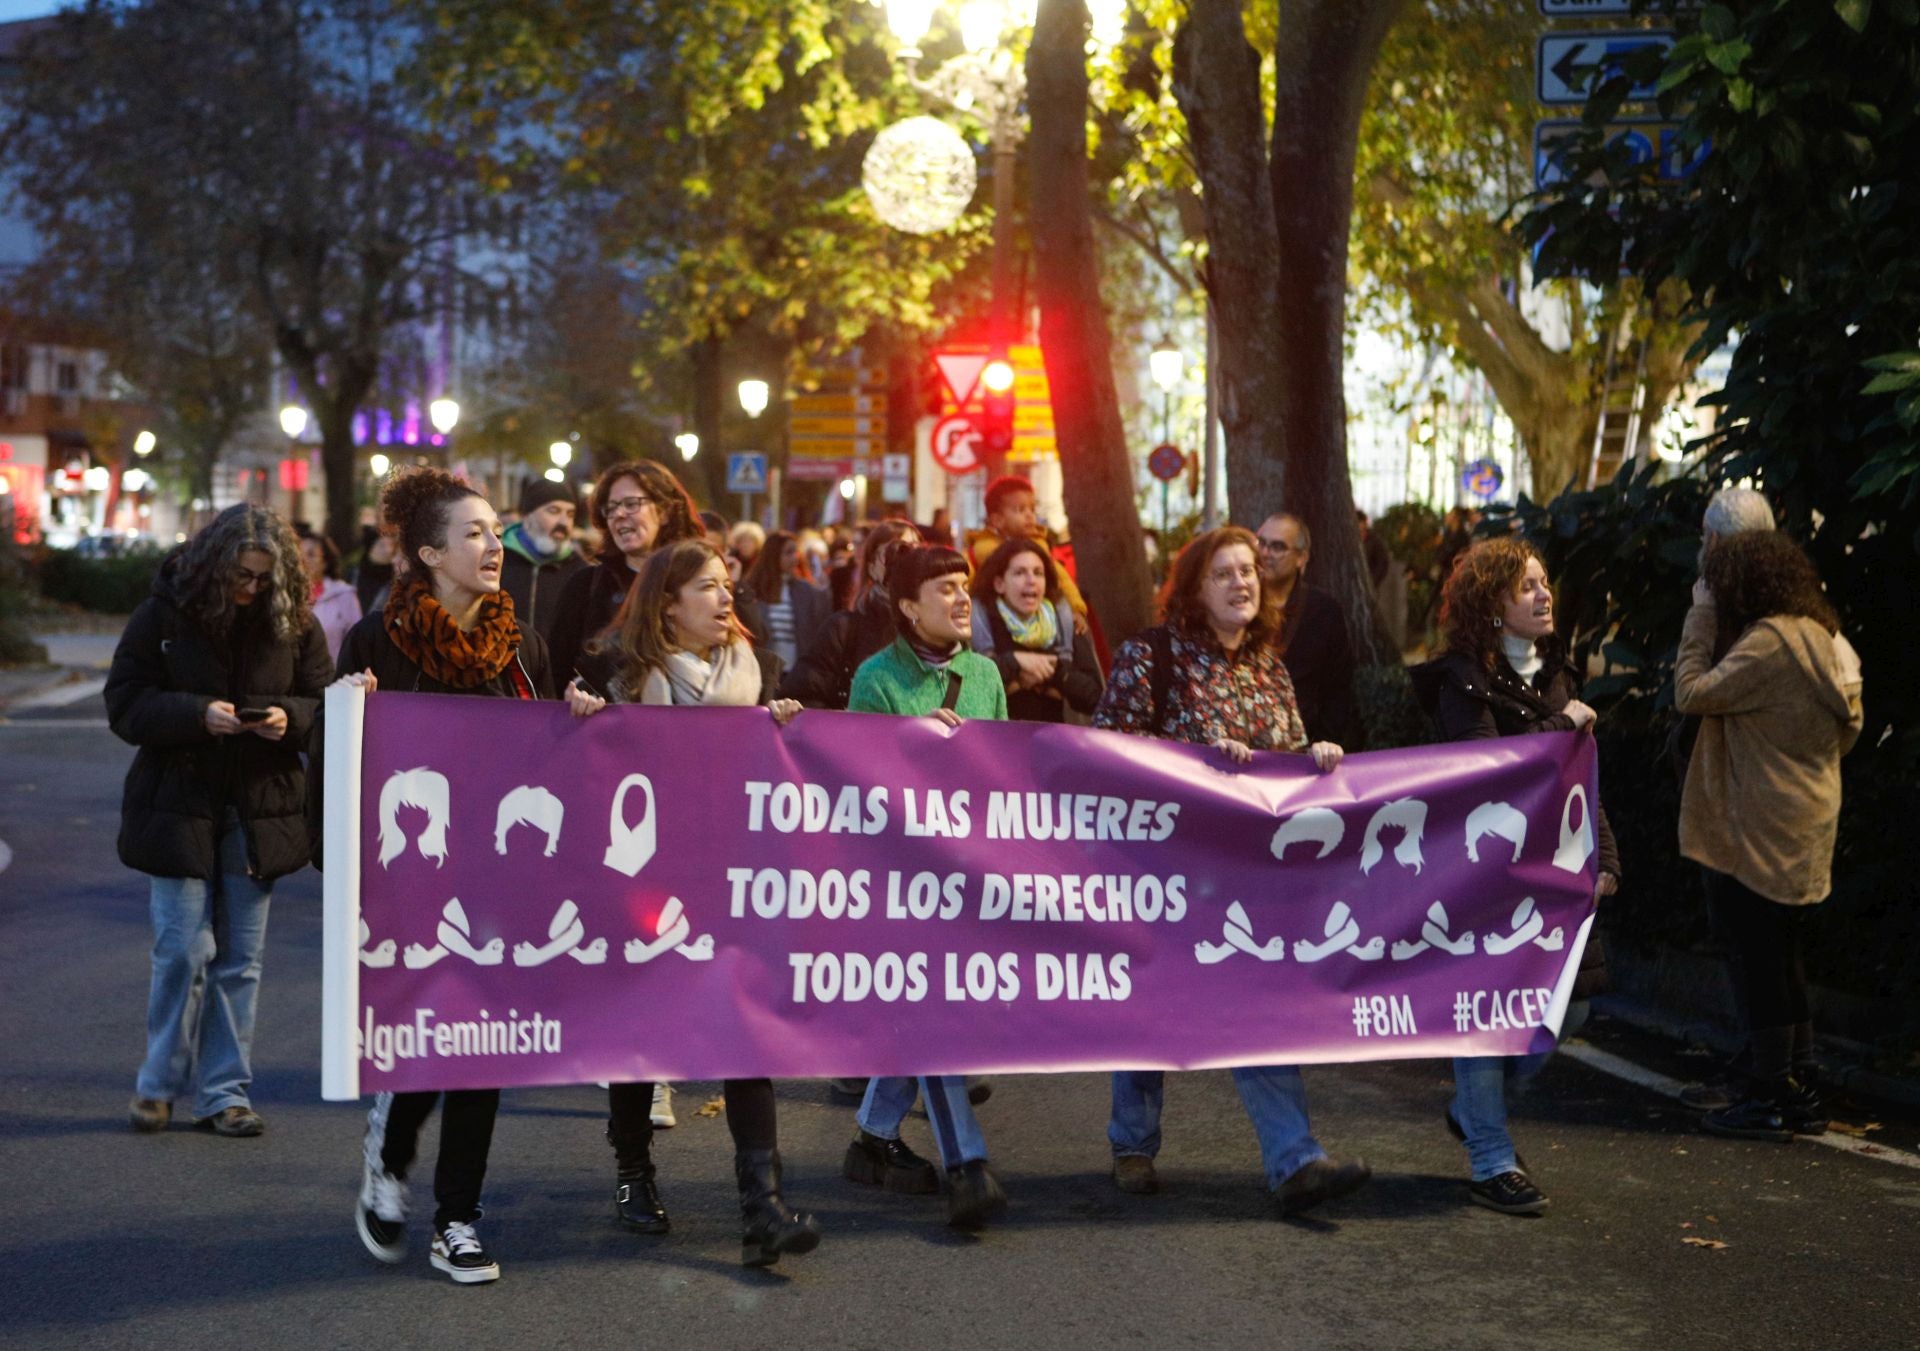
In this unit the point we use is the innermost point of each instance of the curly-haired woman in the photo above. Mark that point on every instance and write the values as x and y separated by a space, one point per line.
1208 675
1762 798
217 680
446 628
1505 673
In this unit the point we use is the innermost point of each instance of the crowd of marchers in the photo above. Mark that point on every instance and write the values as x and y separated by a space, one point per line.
219 680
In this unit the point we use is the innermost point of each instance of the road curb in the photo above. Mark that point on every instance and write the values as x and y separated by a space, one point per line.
23 683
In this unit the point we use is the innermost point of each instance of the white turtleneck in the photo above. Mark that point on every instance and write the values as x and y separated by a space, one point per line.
1522 655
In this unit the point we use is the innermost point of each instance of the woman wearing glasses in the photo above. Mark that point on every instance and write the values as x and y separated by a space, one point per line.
217 679
637 506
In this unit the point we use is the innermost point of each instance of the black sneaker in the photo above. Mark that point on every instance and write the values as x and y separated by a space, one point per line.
847 1091
457 1251
382 1214
1511 1193
974 1195
1801 1110
1712 1095
979 1090
889 1164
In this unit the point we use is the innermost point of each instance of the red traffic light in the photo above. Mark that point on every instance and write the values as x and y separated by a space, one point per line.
998 376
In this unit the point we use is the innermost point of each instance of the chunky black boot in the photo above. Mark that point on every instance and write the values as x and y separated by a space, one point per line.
770 1228
636 1198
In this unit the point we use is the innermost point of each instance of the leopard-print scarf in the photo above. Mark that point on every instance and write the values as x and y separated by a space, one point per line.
426 635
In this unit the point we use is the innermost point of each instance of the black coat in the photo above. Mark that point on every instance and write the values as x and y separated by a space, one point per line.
588 603
166 671
536 587
823 677
1471 703
1313 643
1079 684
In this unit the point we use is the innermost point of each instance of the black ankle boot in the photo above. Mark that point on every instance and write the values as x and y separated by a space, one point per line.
636 1198
770 1228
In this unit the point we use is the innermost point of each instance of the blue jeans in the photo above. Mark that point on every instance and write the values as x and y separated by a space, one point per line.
1275 1097
956 1130
207 941
1480 1099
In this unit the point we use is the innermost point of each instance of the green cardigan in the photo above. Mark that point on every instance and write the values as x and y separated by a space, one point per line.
895 680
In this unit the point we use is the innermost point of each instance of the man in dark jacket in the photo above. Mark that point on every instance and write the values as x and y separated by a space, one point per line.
540 554
1312 639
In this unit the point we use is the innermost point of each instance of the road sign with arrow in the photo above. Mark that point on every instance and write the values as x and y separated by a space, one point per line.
1566 64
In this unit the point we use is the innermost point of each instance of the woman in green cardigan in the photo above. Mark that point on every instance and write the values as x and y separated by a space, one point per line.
929 671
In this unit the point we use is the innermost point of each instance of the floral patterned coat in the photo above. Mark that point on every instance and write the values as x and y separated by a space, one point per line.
1246 695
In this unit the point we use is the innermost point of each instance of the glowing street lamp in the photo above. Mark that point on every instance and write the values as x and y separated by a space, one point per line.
144 443
1165 362
444 413
561 453
846 489
379 464
688 444
753 396
293 421
556 475
909 20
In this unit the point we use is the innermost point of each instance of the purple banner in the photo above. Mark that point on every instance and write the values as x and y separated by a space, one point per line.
697 894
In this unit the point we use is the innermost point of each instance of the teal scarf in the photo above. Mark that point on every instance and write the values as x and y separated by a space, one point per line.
1036 634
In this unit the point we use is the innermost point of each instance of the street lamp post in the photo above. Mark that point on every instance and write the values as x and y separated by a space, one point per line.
754 395
293 421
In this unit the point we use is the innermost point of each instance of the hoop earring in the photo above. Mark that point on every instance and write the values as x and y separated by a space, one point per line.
1496 621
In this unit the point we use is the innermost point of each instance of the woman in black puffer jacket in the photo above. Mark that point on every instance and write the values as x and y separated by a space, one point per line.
217 680
1505 673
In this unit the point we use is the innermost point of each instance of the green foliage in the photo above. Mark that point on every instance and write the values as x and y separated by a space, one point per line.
1390 715
16 648
1411 532
107 585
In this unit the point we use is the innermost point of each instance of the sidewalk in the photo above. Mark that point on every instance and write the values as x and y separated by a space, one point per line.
75 670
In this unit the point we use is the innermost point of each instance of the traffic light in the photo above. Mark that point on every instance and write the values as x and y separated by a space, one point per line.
996 407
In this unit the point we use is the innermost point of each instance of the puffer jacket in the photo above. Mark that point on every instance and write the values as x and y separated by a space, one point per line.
166 670
1470 703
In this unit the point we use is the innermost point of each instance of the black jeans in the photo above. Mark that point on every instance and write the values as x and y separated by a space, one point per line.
750 1112
466 1136
1765 936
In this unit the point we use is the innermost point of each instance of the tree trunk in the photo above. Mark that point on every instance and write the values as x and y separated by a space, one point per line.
1323 55
1217 84
707 402
337 462
1073 326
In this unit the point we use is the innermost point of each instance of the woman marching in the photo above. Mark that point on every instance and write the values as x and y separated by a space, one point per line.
336 606
792 609
1505 673
1761 803
1208 675
446 628
1022 621
217 679
680 644
928 671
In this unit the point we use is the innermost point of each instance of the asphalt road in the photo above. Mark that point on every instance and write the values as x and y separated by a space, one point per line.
115 1239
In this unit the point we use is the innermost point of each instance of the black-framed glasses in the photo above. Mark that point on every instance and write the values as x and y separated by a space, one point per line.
630 506
248 577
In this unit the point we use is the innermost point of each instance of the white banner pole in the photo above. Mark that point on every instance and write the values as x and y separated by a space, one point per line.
340 894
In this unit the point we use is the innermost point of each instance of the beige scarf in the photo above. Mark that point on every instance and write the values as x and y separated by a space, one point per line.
729 679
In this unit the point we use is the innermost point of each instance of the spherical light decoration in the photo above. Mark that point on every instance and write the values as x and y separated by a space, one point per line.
920 175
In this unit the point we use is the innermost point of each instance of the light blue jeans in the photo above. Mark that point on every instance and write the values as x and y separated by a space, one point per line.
956 1130
207 942
1480 1099
1275 1097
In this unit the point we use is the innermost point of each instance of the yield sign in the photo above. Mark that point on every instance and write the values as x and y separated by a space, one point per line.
961 372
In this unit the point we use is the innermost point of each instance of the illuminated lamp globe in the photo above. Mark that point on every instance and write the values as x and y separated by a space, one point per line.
689 444
444 414
379 464
561 453
920 175
556 475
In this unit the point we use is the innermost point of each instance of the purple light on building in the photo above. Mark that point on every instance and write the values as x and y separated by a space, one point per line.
359 429
383 427
411 431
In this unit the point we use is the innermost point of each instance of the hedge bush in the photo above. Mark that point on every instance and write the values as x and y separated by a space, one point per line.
108 585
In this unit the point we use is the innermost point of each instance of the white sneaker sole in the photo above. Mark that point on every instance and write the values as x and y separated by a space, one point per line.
390 1255
466 1275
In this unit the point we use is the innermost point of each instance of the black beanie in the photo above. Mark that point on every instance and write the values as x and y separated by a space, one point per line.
535 493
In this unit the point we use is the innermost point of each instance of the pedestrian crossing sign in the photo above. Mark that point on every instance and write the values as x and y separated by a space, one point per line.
747 472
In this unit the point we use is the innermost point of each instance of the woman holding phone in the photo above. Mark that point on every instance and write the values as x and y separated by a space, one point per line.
217 680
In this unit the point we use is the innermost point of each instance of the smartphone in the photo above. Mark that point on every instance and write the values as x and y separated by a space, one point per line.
254 714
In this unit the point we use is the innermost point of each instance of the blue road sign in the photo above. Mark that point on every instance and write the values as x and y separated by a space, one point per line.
1647 141
1566 63
747 472
1482 478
